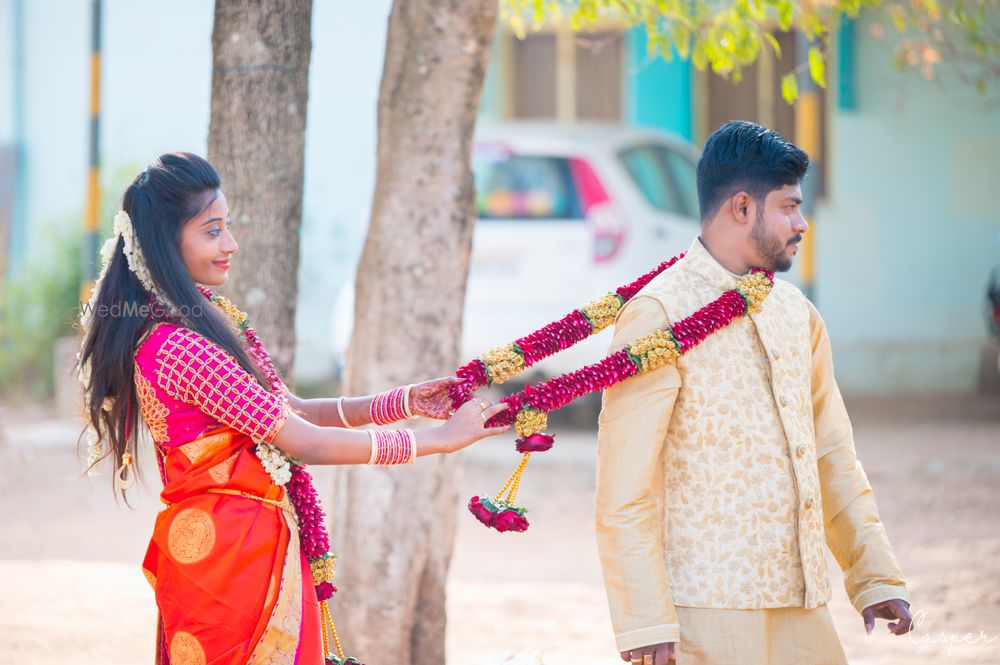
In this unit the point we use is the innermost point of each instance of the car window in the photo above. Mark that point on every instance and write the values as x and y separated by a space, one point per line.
686 177
665 178
524 187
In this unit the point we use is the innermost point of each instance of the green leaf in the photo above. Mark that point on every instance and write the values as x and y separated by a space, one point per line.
682 41
817 66
785 12
790 88
898 18
488 504
774 43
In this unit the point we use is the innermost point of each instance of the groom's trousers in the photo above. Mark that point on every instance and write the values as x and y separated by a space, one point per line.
778 636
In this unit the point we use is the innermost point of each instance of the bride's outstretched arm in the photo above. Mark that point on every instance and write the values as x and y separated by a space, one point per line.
314 444
429 399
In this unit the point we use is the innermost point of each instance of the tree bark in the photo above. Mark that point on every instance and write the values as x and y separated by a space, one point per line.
256 139
394 528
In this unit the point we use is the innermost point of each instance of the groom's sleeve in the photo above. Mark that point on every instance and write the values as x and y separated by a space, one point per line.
632 429
854 532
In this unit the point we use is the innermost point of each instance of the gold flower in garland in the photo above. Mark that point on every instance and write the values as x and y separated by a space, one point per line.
502 363
655 350
602 312
754 287
530 421
231 310
322 570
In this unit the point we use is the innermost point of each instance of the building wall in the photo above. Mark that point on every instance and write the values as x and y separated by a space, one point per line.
7 55
908 235
156 93
658 93
906 238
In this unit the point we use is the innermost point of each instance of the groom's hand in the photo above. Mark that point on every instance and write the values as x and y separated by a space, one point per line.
656 654
889 609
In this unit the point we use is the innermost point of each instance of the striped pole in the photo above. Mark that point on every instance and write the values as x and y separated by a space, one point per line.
807 137
90 219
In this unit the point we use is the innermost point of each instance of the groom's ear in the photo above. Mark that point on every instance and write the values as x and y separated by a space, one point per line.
741 207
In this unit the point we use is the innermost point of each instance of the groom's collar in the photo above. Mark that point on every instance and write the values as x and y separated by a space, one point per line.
701 262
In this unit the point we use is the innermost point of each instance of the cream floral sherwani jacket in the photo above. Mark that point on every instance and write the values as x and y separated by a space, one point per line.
718 480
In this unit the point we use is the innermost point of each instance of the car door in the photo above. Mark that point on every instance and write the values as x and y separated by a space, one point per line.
665 179
531 247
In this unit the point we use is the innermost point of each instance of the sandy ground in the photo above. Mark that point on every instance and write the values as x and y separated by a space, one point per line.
72 590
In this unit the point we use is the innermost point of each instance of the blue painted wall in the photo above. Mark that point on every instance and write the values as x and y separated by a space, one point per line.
909 233
657 92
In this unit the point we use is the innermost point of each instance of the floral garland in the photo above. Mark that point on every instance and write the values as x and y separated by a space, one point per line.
314 538
528 409
504 362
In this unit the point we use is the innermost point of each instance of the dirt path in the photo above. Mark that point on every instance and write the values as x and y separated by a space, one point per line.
73 591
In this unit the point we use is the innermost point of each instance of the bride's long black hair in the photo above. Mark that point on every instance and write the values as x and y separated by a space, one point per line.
160 201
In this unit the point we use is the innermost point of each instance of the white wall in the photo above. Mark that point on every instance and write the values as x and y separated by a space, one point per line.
910 233
156 73
6 71
156 98
348 50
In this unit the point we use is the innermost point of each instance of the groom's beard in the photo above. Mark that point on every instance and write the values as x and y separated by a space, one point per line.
770 246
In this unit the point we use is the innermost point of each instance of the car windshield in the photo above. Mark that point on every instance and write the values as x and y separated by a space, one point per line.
512 186
665 177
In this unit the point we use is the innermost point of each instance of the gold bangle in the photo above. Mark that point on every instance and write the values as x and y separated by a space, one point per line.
406 402
413 445
340 412
374 455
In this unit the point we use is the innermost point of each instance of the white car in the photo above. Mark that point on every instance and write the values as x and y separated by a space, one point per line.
567 213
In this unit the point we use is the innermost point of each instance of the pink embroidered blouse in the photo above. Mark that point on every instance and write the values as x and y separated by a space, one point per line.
188 385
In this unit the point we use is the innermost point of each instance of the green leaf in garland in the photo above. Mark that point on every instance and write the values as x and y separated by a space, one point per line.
746 301
636 360
488 504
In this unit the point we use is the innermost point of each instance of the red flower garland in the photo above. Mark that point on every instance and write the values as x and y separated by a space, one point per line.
556 393
313 535
314 538
548 340
499 516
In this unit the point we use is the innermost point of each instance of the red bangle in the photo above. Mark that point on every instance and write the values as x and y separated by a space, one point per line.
392 447
390 406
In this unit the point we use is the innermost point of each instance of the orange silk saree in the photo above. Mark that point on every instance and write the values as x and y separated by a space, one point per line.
224 561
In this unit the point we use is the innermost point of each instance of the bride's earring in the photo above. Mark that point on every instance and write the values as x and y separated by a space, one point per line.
125 477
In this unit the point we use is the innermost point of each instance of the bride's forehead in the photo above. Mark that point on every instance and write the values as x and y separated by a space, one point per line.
212 205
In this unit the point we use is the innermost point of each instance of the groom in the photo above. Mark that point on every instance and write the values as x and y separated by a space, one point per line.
720 478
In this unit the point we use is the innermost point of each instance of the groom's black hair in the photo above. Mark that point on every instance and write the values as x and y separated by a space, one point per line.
743 156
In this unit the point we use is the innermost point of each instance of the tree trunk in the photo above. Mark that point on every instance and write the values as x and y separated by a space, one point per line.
256 139
395 528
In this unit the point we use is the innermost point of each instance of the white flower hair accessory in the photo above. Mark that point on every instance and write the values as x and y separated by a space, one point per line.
133 253
137 264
